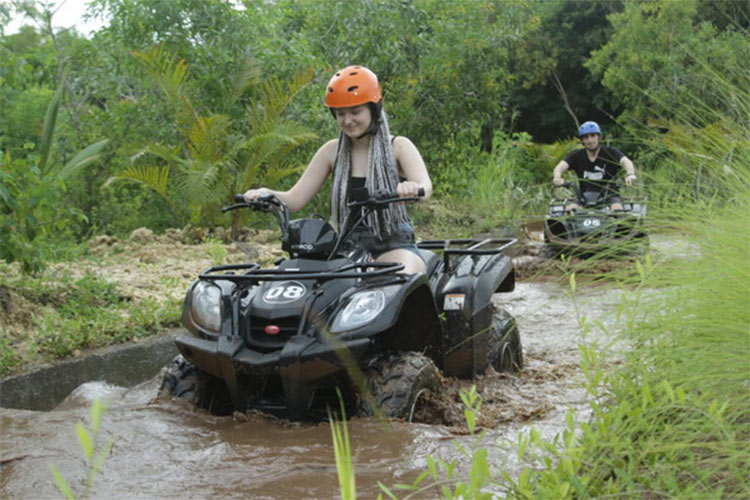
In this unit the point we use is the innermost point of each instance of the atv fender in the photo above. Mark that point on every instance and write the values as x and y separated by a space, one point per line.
465 298
409 322
215 358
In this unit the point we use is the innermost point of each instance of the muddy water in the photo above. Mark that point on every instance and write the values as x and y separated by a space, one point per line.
163 449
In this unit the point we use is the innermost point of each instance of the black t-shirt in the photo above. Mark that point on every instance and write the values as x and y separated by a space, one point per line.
595 175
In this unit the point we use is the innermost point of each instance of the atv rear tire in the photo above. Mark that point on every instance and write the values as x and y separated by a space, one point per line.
548 251
397 383
184 380
505 350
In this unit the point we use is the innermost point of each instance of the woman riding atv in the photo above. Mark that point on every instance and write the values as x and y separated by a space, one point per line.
364 155
596 167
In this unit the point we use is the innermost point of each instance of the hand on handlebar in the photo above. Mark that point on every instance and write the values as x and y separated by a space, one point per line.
254 194
558 181
409 189
630 179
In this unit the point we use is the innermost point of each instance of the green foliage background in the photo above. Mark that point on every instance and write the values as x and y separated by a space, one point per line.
491 91
473 84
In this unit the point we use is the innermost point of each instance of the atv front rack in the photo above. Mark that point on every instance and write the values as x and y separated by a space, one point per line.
467 246
253 273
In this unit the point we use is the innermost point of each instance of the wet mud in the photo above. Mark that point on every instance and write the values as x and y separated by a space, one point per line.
163 448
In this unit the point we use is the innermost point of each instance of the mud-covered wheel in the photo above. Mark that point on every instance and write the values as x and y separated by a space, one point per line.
398 384
505 351
184 380
549 251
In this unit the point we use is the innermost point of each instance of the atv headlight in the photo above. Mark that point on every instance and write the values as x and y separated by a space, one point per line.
362 308
205 305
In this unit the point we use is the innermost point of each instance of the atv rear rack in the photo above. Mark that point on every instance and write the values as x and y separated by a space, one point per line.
469 246
253 272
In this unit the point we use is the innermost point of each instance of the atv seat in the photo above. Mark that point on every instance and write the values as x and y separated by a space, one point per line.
431 261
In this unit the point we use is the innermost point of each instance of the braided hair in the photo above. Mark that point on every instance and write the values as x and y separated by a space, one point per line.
382 175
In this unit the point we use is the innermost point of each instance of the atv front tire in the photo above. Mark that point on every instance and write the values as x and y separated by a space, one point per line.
505 350
397 383
184 380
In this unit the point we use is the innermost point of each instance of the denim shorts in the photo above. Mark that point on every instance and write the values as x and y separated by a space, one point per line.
402 238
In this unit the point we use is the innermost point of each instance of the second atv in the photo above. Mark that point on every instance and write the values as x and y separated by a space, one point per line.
331 320
594 228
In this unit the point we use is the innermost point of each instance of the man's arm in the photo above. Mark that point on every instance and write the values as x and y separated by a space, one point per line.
558 171
630 177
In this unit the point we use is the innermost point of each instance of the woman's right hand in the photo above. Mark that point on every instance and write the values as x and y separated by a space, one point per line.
254 194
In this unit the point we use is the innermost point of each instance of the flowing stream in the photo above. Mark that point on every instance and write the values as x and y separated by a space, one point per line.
164 449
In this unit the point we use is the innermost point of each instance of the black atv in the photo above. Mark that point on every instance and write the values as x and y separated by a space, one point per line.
594 228
330 319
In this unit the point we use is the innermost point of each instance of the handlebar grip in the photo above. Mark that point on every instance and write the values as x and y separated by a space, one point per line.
238 198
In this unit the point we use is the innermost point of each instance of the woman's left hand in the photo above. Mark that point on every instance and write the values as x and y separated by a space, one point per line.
408 189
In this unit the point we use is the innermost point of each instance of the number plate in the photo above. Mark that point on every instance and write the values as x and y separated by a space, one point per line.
591 223
284 292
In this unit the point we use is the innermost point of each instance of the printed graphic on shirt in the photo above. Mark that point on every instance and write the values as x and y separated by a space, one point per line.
596 175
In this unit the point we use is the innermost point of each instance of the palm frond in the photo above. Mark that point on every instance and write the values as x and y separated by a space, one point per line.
199 181
151 176
50 119
85 157
207 136
170 154
165 69
248 76
267 110
169 73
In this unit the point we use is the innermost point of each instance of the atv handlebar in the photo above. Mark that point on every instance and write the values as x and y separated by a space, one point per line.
265 203
613 187
379 199
363 199
269 202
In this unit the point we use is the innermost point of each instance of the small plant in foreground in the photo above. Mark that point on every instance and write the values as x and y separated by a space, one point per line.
94 450
342 451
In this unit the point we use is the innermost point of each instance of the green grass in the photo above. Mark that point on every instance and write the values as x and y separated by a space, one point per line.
70 315
674 420
677 418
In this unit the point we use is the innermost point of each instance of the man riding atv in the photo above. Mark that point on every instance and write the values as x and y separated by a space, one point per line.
596 167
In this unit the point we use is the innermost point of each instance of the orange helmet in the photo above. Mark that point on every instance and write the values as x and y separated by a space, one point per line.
353 86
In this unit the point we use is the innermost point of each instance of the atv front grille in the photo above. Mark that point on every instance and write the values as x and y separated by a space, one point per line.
270 335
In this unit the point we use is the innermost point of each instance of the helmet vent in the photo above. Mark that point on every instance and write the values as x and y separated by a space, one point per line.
353 88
